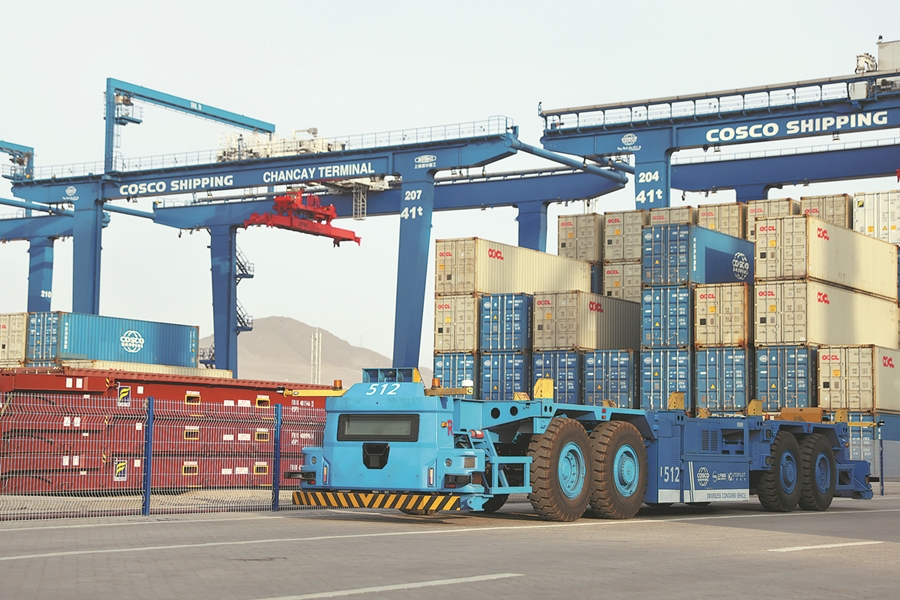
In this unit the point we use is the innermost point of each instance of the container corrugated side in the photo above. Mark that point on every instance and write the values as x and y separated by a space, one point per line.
622 235
105 365
803 247
664 372
810 312
730 219
673 215
877 215
760 209
666 317
622 280
472 265
580 237
57 336
13 333
580 321
686 254
610 375
836 209
786 377
455 368
863 440
564 368
503 374
456 323
722 315
506 322
722 379
860 378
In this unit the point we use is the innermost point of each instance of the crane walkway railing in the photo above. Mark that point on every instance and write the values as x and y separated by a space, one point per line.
775 153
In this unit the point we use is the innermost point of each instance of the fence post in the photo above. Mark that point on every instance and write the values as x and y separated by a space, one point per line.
148 458
880 460
276 461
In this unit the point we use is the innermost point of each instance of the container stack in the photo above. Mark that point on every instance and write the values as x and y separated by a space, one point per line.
877 214
505 345
763 209
730 219
623 237
836 209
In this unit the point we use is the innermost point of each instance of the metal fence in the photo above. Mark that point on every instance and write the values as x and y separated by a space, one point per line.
73 455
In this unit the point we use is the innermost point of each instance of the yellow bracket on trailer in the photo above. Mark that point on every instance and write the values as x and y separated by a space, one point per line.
376 500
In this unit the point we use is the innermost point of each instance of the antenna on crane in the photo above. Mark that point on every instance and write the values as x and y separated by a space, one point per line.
315 360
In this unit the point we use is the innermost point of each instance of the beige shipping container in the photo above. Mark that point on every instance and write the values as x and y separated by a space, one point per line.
836 209
811 312
456 324
623 235
859 378
877 215
730 219
622 280
803 247
473 265
147 368
582 321
13 332
761 209
722 315
678 215
581 237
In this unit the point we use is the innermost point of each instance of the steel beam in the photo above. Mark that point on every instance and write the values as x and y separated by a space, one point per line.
40 274
223 250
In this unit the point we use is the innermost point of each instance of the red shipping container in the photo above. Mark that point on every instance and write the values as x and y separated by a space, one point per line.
201 438
69 473
67 434
179 473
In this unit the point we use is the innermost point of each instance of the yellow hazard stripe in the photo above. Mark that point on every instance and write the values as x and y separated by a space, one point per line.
354 500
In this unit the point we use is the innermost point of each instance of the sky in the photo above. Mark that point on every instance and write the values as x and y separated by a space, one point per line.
362 67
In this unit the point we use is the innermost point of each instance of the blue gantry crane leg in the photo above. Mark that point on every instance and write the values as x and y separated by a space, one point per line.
40 274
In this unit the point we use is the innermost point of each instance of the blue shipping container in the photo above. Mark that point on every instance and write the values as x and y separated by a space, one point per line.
666 317
506 322
453 368
597 278
505 373
722 379
786 377
564 368
891 428
664 372
680 254
609 375
59 336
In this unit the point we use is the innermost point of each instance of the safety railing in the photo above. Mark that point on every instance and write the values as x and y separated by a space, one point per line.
779 152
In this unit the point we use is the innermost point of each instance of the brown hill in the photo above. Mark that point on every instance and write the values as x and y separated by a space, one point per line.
278 349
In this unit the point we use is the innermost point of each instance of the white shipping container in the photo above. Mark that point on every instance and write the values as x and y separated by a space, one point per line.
107 365
722 315
622 280
811 312
456 324
13 332
877 215
581 237
676 215
803 247
730 219
473 265
761 209
836 209
859 378
623 235
582 321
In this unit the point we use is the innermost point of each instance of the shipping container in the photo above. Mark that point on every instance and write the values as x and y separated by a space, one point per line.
686 254
503 374
673 215
471 265
610 375
70 432
580 321
722 379
730 219
623 235
877 215
836 209
722 315
581 237
107 365
13 332
455 368
810 312
564 368
666 317
456 323
760 209
786 377
622 280
859 378
662 373
506 322
59 336
597 278
69 474
802 247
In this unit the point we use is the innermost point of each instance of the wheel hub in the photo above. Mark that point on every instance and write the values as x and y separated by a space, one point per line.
626 470
822 473
788 471
571 471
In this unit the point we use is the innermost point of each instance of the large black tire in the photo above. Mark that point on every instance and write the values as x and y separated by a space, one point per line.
495 503
779 487
560 481
817 473
619 470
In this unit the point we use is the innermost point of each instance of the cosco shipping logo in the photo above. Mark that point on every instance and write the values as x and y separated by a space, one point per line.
425 161
740 265
132 341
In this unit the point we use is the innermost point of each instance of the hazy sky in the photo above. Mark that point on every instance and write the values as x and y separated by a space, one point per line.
361 67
